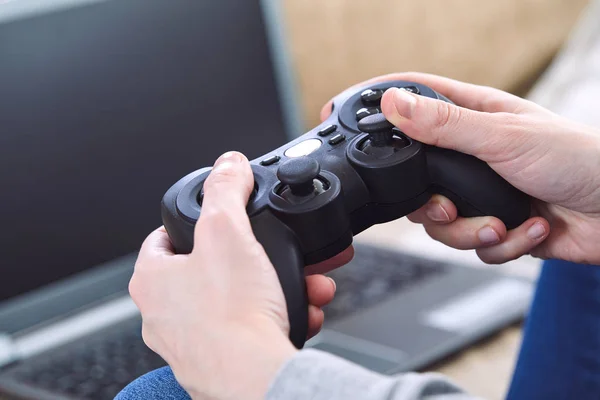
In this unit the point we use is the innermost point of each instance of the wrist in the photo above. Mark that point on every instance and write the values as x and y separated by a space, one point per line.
271 354
245 365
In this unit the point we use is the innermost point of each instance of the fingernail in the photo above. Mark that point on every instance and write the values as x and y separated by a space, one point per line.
333 283
436 212
487 235
404 103
536 231
227 160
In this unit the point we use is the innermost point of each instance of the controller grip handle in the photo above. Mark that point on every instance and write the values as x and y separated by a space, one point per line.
277 239
476 189
285 254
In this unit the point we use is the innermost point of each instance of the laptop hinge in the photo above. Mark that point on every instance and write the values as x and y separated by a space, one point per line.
7 349
22 346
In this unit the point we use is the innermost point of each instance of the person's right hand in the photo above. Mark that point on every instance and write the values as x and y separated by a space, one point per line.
554 160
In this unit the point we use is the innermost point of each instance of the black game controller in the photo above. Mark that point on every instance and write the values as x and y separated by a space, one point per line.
351 172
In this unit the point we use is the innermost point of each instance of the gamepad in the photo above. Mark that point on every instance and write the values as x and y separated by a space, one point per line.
352 171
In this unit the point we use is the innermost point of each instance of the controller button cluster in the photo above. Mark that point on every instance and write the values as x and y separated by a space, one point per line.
371 96
303 148
327 130
270 160
412 89
366 111
339 138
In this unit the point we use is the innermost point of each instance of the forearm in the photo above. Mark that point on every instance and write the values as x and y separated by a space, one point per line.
317 375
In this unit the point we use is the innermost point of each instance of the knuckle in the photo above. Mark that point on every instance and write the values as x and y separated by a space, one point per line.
217 217
219 177
513 129
438 233
540 252
496 255
135 288
415 217
508 121
446 115
456 238
138 292
147 336
219 220
488 258
443 121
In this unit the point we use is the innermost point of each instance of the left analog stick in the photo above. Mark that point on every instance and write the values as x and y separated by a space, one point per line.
299 175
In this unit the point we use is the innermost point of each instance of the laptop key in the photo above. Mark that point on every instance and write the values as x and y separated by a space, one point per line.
92 368
375 274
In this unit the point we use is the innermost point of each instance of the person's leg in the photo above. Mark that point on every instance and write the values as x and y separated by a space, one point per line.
560 353
156 385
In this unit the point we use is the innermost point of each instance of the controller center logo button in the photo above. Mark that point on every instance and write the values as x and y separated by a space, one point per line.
303 148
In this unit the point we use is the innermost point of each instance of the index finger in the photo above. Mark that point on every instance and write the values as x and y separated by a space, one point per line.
337 261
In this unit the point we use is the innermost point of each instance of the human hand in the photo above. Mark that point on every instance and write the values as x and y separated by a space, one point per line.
554 160
218 315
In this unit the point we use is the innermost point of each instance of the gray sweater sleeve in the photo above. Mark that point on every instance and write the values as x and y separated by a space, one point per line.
316 375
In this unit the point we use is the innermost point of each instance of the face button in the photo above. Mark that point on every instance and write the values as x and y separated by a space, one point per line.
366 111
371 96
270 160
327 130
339 138
303 148
412 89
298 174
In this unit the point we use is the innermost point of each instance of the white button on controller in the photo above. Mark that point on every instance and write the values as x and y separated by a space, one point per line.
303 148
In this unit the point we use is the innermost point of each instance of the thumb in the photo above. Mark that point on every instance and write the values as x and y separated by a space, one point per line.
442 124
226 193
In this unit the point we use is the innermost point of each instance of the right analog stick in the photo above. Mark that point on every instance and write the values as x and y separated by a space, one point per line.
380 130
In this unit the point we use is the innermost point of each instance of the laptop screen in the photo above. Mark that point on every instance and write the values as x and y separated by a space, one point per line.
103 106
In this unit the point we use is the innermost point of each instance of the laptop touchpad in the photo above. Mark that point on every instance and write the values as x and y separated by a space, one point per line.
370 355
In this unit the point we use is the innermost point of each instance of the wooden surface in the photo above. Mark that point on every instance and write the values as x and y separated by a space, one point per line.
505 44
485 369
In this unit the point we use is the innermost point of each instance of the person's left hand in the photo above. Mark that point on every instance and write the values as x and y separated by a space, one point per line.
218 315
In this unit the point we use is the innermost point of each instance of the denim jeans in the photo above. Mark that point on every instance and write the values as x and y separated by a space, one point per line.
559 357
156 385
560 353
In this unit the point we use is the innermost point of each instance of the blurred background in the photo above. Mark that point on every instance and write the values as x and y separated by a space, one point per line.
106 103
505 44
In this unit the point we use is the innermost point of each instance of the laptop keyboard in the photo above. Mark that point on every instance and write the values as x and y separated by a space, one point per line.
94 368
374 275
99 366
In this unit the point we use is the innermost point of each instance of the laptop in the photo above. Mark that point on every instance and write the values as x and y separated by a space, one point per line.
104 104
397 311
